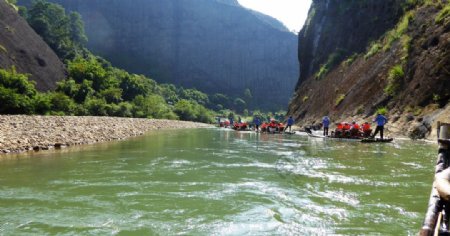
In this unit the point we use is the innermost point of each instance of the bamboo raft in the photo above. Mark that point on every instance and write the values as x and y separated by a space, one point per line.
436 220
362 140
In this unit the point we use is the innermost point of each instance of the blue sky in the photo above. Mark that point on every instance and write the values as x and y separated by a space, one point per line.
292 13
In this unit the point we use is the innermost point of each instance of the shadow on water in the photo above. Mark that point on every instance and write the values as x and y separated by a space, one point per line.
219 182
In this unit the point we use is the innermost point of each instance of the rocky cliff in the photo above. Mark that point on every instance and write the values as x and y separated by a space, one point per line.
216 46
335 29
22 48
388 54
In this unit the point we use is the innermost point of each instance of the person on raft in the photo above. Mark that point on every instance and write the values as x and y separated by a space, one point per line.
381 121
366 129
354 130
257 123
326 125
290 122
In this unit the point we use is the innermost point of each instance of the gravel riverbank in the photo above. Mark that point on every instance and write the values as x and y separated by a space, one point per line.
19 133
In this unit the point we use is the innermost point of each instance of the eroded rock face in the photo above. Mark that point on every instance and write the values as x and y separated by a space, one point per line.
216 46
22 48
356 88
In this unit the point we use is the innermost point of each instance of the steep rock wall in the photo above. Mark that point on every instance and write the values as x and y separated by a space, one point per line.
214 46
357 87
342 27
22 48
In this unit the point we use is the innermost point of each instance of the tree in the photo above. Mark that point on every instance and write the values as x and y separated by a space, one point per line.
239 104
195 95
62 103
248 96
77 34
63 33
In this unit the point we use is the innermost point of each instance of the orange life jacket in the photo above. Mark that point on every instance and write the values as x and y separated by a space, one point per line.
366 127
340 126
355 126
346 127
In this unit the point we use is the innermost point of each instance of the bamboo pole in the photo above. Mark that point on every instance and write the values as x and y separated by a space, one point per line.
435 205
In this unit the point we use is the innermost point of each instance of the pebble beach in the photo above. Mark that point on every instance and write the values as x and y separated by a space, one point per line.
20 133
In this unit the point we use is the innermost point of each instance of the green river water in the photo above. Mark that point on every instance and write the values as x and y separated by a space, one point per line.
218 182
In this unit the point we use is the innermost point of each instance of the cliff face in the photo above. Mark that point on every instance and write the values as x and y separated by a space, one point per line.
405 70
216 46
335 29
21 47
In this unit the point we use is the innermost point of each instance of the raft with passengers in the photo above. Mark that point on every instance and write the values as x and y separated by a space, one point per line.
352 131
271 127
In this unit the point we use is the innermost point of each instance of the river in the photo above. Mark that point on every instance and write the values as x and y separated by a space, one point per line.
218 182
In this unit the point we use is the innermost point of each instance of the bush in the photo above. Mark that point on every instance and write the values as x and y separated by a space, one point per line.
444 13
339 99
192 111
398 31
16 93
382 111
374 49
395 76
14 103
332 61
62 103
96 107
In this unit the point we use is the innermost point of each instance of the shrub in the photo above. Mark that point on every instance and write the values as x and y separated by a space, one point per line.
398 31
14 103
395 76
339 99
382 110
444 13
332 61
3 49
374 49
350 59
62 103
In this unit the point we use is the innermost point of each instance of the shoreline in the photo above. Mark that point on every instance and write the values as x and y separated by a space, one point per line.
22 133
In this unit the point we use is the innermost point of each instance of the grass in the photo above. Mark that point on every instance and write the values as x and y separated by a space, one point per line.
443 14
382 110
339 99
374 49
396 33
436 98
3 49
322 72
395 76
360 110
406 46
333 59
350 59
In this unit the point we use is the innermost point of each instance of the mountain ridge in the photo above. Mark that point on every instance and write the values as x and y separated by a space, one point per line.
212 46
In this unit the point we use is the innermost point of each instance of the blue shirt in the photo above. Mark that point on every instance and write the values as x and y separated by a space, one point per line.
257 121
381 120
326 121
290 121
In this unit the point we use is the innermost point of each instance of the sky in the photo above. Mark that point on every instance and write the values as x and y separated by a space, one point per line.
292 13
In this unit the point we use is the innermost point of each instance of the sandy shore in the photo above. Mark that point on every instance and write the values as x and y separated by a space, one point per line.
19 133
